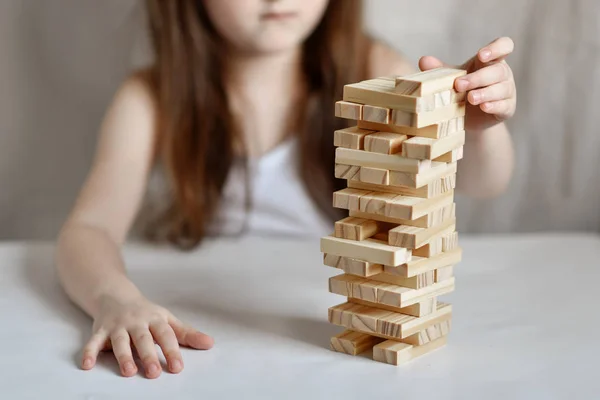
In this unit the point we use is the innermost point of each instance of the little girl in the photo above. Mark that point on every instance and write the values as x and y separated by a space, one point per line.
237 115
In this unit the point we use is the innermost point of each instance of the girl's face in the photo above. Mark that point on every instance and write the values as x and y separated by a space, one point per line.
265 26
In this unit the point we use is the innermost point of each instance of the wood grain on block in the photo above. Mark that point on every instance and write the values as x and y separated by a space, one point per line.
387 293
413 237
434 218
375 176
417 180
381 115
352 266
420 309
420 120
435 188
348 110
351 138
405 207
450 241
385 323
353 343
370 250
398 353
428 149
348 199
434 131
349 172
429 334
353 228
375 203
392 162
382 92
431 249
428 82
420 265
344 284
384 142
452 156
414 282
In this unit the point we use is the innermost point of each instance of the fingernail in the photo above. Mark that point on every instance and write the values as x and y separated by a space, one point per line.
176 365
87 363
153 369
129 368
475 97
485 54
462 84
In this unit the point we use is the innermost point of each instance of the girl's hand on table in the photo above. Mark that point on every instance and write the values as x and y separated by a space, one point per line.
138 324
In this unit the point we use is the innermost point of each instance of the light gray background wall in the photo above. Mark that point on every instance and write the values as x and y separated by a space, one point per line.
61 60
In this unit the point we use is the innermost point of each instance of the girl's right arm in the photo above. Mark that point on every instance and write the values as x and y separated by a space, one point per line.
89 260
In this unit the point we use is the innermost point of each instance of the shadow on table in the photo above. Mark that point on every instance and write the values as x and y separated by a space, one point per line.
307 330
39 275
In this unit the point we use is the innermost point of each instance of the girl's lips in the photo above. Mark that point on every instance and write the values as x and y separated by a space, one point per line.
278 16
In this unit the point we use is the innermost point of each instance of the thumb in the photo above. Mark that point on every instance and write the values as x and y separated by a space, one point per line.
188 336
428 62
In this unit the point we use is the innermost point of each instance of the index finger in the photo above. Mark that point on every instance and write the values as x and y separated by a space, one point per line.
497 50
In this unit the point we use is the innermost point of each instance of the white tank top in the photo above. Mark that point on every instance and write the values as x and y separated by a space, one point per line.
280 204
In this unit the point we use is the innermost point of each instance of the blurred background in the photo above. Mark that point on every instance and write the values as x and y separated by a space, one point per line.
62 60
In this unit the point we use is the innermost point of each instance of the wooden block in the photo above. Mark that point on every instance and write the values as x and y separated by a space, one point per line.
429 334
349 172
375 176
375 203
420 309
353 343
417 180
351 138
398 353
431 249
413 237
414 282
420 120
428 149
369 250
405 207
352 266
428 82
432 219
348 110
435 188
382 92
344 284
348 199
450 241
400 207
420 265
384 323
393 162
384 142
445 273
435 131
353 228
452 156
389 294
380 115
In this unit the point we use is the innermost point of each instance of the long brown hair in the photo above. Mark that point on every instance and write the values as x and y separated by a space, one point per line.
199 136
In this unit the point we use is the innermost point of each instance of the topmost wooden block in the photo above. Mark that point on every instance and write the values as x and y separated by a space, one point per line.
428 82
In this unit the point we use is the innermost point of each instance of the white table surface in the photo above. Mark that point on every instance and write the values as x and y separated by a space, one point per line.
525 325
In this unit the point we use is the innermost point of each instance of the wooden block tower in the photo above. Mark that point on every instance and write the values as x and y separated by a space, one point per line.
398 247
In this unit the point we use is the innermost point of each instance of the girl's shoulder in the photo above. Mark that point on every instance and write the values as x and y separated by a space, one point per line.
384 60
